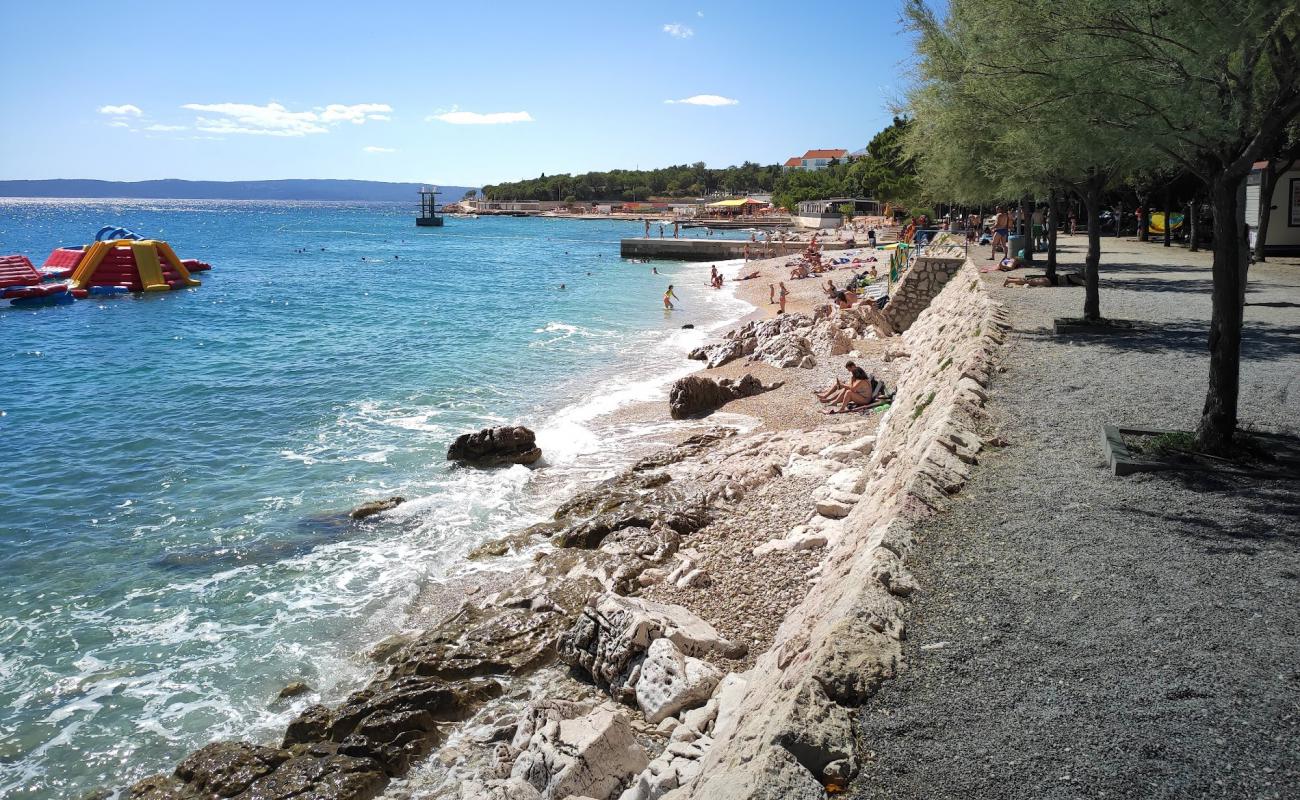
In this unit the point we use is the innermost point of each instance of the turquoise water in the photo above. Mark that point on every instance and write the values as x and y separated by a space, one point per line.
172 465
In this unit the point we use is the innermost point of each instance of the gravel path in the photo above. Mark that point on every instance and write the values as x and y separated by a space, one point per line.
1080 635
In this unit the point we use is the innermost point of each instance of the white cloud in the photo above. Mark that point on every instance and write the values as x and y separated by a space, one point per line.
678 30
370 148
161 128
357 114
127 110
273 119
706 100
474 118
117 123
699 14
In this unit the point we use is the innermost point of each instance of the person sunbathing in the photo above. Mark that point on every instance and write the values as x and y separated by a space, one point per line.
845 300
830 288
748 277
862 389
800 271
1038 280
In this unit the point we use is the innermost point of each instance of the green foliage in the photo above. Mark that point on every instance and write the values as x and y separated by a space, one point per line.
920 407
886 173
470 194
680 181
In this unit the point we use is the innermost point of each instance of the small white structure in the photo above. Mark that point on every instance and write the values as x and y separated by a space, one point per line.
829 213
1284 220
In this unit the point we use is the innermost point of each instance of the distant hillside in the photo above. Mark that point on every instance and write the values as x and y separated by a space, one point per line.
299 189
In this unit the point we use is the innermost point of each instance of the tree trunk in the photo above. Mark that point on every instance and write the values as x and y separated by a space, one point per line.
1119 219
1142 229
1194 225
1169 217
1091 293
1051 236
1219 417
1028 232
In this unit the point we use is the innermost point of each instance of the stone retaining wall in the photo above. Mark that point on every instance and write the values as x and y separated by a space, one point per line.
792 736
920 284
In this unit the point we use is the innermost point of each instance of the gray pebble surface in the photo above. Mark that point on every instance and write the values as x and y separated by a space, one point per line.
1081 635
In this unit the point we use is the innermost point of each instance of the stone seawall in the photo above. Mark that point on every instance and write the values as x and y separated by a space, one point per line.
921 284
792 734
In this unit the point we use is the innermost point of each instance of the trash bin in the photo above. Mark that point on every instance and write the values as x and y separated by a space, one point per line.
1015 246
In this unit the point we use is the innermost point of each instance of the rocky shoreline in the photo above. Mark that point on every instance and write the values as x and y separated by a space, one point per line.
703 622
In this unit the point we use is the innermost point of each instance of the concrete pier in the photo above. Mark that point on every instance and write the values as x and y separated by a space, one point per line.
712 249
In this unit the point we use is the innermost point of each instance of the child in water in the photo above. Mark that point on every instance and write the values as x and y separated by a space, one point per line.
669 297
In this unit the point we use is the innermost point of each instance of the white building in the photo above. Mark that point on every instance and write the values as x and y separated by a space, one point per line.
1284 220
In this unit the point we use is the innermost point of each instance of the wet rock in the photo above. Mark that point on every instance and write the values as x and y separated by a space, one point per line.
385 648
375 506
492 447
696 394
227 768
293 690
393 721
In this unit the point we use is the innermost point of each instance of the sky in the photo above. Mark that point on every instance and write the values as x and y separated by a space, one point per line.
451 93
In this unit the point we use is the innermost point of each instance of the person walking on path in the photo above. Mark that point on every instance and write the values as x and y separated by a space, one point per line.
669 297
647 229
783 295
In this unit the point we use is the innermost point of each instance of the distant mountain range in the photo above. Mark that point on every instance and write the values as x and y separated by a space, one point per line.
171 189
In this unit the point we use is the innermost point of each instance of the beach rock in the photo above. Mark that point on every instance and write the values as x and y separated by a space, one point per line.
696 394
833 508
490 639
612 635
828 339
509 789
671 682
493 447
392 722
293 689
375 506
384 649
593 755
786 350
227 769
687 326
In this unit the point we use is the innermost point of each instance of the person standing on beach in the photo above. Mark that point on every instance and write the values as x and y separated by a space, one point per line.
771 294
661 230
1001 227
784 294
647 229
669 297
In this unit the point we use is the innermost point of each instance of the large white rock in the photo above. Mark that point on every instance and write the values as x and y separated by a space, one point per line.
671 681
594 755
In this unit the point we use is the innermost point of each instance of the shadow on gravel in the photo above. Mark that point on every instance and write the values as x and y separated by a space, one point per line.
1253 505
1260 342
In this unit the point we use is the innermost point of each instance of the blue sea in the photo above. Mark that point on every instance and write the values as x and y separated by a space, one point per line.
173 466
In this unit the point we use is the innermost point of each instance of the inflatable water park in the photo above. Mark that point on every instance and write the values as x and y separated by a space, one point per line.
118 262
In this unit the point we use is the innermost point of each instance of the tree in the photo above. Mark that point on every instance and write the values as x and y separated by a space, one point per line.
1214 93
997 116
470 194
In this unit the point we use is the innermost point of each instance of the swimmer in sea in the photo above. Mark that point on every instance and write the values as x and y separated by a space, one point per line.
669 297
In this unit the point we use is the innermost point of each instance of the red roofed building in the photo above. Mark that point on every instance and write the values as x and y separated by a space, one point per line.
815 159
